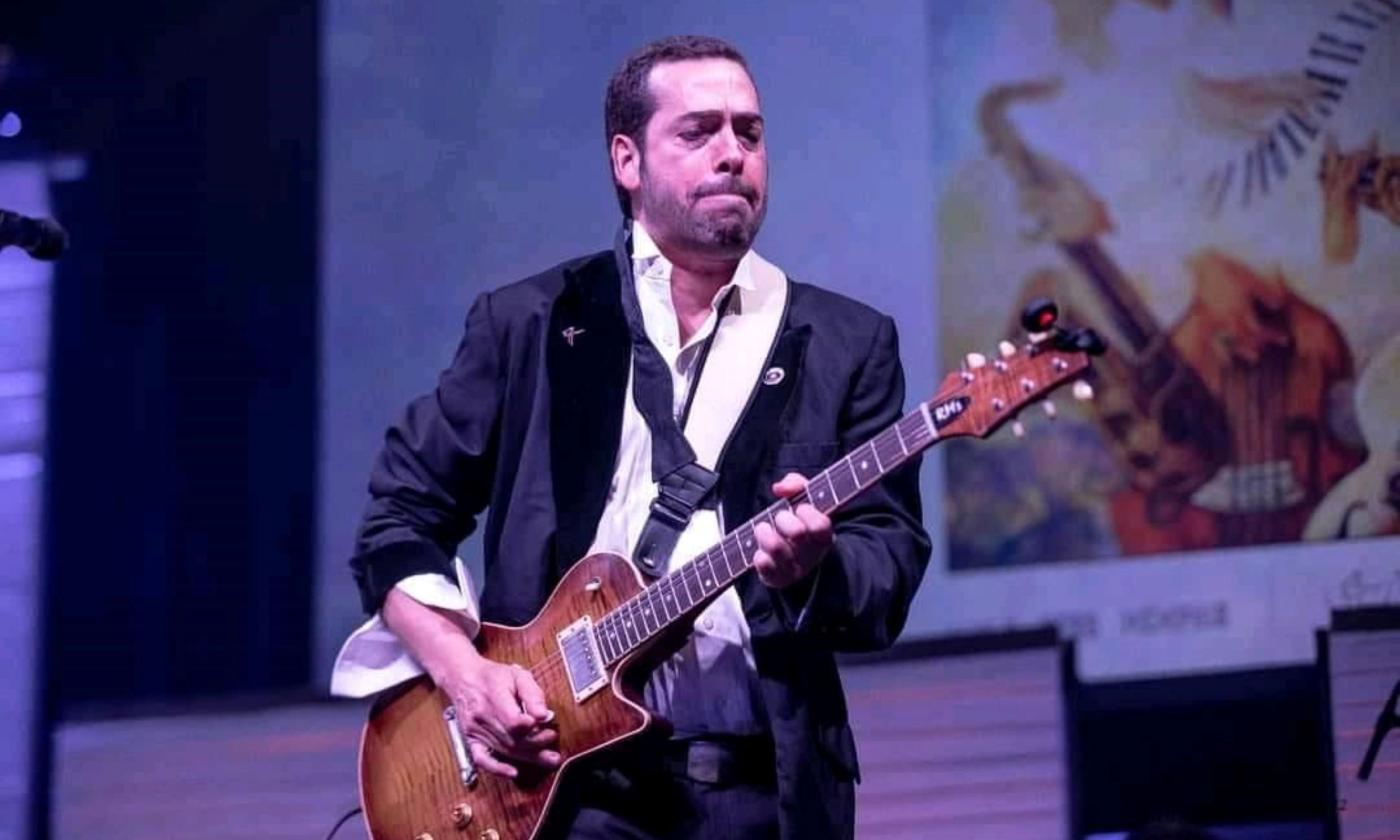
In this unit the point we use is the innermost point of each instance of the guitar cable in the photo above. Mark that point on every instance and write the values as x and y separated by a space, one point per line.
343 820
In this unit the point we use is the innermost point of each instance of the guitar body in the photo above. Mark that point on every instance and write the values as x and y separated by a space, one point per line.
410 779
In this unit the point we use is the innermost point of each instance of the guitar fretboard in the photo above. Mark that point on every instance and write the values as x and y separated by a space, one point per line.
687 590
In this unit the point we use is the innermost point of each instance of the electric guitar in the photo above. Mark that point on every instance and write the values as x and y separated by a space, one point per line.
592 646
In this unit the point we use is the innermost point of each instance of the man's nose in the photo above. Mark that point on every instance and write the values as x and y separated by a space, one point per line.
730 155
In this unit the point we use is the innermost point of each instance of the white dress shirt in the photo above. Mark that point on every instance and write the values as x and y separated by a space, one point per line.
710 684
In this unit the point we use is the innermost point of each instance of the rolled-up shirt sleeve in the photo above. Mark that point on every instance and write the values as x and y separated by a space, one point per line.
373 659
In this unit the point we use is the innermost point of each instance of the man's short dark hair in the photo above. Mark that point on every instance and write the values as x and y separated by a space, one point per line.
629 104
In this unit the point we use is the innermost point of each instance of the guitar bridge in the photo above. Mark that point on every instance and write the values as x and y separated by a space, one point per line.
582 660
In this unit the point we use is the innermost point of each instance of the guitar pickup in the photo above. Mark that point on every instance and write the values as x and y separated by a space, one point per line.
582 660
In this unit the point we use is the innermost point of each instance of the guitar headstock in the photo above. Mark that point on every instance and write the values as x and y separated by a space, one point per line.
988 393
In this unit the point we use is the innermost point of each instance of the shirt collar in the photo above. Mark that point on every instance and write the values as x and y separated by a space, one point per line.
647 260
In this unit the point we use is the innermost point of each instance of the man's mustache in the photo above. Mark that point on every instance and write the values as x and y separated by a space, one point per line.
730 186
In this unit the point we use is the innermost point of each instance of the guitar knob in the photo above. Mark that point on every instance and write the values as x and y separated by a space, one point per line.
976 360
1050 410
461 816
1083 391
424 836
1007 349
1040 315
490 834
1017 429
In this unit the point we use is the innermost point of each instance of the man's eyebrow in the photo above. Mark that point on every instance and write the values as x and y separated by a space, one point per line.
701 116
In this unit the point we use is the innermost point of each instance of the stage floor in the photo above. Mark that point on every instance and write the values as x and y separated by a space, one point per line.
282 773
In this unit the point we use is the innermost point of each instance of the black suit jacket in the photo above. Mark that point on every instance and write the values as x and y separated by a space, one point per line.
526 424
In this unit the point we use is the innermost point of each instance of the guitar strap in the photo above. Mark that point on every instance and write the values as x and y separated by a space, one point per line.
684 485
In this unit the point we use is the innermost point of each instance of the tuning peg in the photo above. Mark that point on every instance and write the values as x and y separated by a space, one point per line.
1017 429
1083 391
1088 341
1007 349
1040 315
1050 410
976 360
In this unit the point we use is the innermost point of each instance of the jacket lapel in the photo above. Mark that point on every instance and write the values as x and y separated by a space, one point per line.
750 450
587 356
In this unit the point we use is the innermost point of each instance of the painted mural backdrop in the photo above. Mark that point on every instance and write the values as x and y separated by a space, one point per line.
1215 187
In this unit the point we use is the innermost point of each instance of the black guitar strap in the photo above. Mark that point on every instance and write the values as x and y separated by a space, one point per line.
684 485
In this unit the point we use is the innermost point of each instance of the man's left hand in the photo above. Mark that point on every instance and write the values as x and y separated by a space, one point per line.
790 552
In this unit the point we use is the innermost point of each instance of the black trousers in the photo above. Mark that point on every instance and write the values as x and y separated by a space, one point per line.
658 798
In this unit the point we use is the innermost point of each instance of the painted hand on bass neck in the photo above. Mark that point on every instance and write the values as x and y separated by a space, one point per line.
790 552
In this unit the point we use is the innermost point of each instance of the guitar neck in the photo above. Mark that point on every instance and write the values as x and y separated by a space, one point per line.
680 595
1130 315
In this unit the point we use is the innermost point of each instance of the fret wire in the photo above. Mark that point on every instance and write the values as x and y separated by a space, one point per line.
663 586
615 631
724 555
909 429
609 637
892 444
833 476
634 616
629 633
678 582
914 436
748 545
619 637
650 621
737 550
865 453
685 573
716 580
660 599
639 621
842 494
692 574
717 553
875 453
887 442
824 492
656 600
732 555
899 437
705 573
600 633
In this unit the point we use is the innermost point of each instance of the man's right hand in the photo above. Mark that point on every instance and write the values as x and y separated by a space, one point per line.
502 714
500 709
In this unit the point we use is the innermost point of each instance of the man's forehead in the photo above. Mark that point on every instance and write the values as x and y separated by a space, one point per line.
706 84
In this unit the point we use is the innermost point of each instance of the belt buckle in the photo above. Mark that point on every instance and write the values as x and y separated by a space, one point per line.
704 763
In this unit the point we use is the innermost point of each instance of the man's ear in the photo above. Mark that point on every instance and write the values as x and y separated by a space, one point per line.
626 162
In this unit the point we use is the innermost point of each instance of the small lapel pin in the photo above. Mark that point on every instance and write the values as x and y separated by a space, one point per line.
570 333
773 376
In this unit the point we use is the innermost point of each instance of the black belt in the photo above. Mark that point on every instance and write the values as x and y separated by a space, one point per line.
722 761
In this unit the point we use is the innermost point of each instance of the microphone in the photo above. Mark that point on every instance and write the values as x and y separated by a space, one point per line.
44 239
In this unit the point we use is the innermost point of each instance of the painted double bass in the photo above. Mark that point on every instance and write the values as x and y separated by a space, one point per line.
1218 421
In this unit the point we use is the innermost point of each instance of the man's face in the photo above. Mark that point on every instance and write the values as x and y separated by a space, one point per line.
703 169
